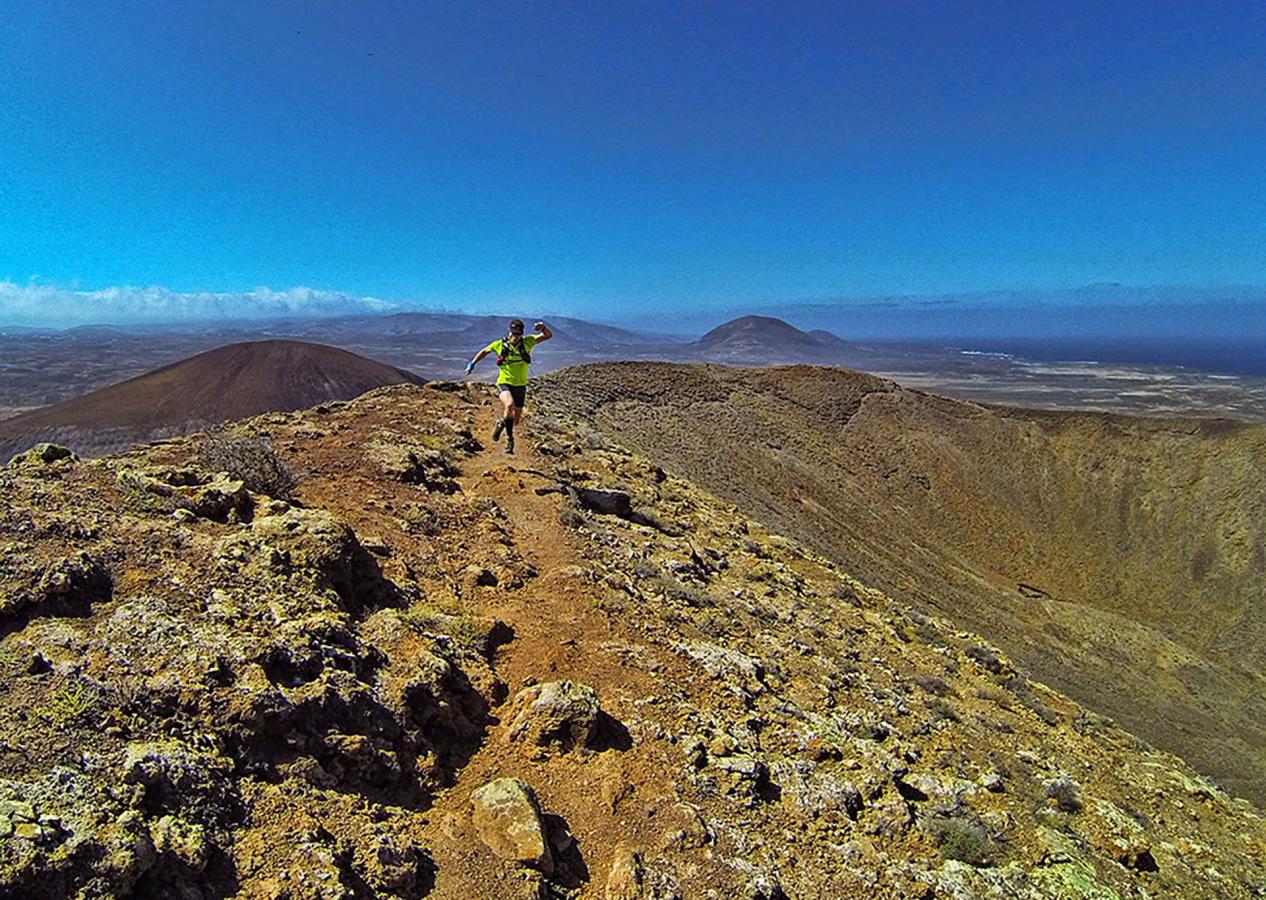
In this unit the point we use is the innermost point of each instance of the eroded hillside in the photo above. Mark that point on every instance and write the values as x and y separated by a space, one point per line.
1119 559
211 692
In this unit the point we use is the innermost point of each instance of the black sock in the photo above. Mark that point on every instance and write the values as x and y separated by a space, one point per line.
510 427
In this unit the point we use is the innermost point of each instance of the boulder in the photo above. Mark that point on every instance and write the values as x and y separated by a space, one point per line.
219 497
811 794
42 455
560 715
76 577
508 820
627 878
738 673
428 467
75 580
309 545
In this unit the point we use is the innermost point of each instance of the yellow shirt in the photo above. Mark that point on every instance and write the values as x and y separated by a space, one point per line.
514 370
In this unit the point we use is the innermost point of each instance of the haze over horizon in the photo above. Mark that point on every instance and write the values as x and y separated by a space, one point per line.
679 162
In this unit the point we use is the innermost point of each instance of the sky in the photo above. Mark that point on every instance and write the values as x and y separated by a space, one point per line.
602 158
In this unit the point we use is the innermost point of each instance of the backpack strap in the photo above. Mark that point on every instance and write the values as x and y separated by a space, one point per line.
507 348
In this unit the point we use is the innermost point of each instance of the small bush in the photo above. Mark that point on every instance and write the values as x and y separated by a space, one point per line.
846 594
1020 686
73 700
251 459
1040 709
610 602
961 838
934 685
594 440
985 656
942 711
421 519
1066 793
930 634
1001 699
644 569
677 592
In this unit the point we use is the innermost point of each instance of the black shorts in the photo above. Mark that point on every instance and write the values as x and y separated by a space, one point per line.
517 391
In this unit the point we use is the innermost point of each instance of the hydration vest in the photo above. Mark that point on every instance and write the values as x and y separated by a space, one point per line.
509 351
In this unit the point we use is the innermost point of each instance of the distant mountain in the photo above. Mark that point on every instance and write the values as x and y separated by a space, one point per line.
766 339
230 382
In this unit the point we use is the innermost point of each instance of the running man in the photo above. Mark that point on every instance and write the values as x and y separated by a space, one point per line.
514 354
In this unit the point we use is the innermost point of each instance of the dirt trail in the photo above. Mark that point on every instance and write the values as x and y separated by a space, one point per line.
559 633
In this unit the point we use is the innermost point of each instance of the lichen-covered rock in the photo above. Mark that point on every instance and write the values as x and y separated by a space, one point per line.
557 715
310 547
427 467
185 842
219 497
172 775
811 793
69 836
626 879
739 673
388 864
80 576
42 455
76 580
508 820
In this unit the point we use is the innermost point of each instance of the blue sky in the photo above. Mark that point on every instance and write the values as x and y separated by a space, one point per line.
593 157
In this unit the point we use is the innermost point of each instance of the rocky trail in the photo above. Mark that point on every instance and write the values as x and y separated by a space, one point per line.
558 635
432 669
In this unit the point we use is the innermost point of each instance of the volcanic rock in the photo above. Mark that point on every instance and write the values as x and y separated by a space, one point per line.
509 822
556 716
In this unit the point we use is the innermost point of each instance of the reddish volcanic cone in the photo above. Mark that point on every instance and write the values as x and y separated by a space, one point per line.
231 382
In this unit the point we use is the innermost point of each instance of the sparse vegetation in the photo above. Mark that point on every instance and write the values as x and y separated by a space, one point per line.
930 634
610 602
934 684
250 458
677 592
942 711
250 680
10 657
421 518
846 593
987 657
442 619
73 700
1066 794
1023 691
962 838
999 698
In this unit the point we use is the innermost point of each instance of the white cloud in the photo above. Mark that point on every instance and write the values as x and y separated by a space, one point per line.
51 306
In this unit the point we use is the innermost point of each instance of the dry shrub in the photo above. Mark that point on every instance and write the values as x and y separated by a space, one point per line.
251 459
962 838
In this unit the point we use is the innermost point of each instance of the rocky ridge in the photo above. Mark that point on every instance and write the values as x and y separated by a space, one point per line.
439 671
1119 559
